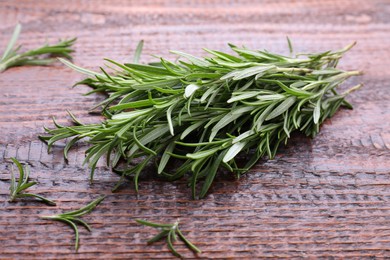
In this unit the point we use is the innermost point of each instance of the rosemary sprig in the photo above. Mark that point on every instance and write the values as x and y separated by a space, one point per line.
72 218
198 116
17 188
12 57
170 232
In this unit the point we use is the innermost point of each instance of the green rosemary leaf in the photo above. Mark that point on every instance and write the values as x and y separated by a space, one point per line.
79 69
129 115
164 83
165 157
43 199
83 223
170 232
195 76
12 42
169 119
317 112
252 71
270 97
31 62
94 157
172 67
219 142
170 245
151 136
211 174
243 136
241 96
159 236
224 56
69 145
192 128
71 224
290 46
203 154
187 242
71 218
229 118
190 90
138 51
153 224
233 151
139 168
17 189
203 114
153 70
280 109
25 186
141 146
193 59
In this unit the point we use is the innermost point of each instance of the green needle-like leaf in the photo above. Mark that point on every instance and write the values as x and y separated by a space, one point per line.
71 218
138 51
12 42
17 188
170 232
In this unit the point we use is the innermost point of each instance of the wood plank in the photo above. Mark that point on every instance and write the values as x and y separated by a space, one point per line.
322 197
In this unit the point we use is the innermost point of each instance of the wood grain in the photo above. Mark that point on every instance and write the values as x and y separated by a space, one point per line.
322 197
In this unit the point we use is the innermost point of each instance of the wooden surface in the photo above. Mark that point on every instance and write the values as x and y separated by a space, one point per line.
321 197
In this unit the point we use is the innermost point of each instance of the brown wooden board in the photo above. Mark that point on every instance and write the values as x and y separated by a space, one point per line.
321 197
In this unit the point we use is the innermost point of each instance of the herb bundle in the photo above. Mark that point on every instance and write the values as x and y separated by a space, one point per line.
73 217
199 115
17 188
12 58
170 232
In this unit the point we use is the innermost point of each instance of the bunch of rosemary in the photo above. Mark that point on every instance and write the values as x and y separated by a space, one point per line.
197 116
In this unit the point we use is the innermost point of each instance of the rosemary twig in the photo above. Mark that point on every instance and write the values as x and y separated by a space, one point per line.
12 57
170 232
200 115
72 218
17 188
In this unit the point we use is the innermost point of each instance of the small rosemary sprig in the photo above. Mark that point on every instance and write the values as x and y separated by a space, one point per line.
72 218
170 232
17 188
198 116
11 56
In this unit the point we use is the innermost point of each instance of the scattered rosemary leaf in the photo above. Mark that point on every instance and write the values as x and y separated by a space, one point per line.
198 116
72 218
170 232
37 57
17 188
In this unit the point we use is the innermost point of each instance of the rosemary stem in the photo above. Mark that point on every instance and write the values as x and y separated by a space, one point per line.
49 217
291 70
354 73
12 198
352 89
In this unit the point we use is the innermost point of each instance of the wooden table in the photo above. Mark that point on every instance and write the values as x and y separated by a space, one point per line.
321 197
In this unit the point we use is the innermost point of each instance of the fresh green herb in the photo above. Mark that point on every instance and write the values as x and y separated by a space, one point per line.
72 218
17 188
12 58
170 232
197 116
